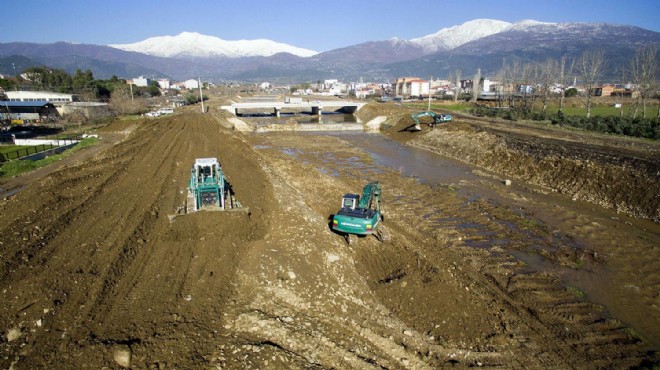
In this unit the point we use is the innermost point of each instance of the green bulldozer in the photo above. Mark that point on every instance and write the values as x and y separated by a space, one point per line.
361 215
208 190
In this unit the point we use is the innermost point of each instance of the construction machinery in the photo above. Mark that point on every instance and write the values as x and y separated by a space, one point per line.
437 119
208 189
361 215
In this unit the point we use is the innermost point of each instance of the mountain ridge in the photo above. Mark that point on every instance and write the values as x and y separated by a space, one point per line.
480 43
193 44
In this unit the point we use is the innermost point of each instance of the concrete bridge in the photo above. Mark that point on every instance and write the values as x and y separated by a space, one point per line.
315 107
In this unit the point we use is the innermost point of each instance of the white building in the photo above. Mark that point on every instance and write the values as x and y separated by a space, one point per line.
52 97
488 85
164 83
141 81
264 86
191 84
412 86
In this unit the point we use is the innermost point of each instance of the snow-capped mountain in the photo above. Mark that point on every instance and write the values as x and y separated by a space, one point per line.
452 37
196 45
480 44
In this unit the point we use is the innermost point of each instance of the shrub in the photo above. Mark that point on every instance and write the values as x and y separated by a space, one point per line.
638 127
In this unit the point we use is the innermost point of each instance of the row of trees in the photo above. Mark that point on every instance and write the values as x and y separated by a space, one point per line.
81 83
552 78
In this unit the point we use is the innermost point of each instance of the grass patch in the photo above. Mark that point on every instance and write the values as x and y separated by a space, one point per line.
17 167
605 111
454 107
575 291
11 148
529 223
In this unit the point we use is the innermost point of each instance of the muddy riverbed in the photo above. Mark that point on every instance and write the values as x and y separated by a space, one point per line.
588 251
95 274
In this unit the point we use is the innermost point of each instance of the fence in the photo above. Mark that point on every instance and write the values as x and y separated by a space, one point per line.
36 148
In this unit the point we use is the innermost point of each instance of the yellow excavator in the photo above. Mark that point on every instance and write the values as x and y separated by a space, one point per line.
437 119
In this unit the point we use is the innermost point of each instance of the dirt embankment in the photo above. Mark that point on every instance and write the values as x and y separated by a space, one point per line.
95 275
617 173
91 265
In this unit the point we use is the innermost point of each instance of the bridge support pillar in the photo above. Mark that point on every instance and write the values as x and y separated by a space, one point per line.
316 110
276 111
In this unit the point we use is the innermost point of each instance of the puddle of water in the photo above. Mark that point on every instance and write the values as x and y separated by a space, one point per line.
409 161
11 193
291 152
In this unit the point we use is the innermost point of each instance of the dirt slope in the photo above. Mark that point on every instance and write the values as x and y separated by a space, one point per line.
95 275
614 172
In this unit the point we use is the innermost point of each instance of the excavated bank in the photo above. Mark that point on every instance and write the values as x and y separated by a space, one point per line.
620 174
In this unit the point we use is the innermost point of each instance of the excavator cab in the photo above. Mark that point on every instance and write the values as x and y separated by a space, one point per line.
350 201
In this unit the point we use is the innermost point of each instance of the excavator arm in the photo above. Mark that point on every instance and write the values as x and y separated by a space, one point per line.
370 193
437 118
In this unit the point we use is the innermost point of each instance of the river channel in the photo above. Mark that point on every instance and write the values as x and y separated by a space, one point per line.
624 277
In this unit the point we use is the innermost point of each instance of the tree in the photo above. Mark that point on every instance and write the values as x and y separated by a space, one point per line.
123 103
531 76
154 88
7 84
509 75
457 86
476 83
590 65
563 71
644 67
548 76
82 80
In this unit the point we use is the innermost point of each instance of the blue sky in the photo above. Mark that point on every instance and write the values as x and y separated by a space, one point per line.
317 25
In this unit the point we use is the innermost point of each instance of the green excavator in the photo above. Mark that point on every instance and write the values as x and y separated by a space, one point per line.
361 215
437 119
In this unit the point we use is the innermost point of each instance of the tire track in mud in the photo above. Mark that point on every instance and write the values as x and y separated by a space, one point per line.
98 284
68 208
72 195
132 247
538 305
532 316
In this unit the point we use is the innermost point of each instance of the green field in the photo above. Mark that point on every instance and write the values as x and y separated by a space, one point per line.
16 167
11 148
596 110
651 111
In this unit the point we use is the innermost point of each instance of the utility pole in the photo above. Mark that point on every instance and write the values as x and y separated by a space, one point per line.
15 76
429 109
131 87
201 97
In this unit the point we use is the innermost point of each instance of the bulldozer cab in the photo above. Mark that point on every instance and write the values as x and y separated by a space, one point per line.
205 171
